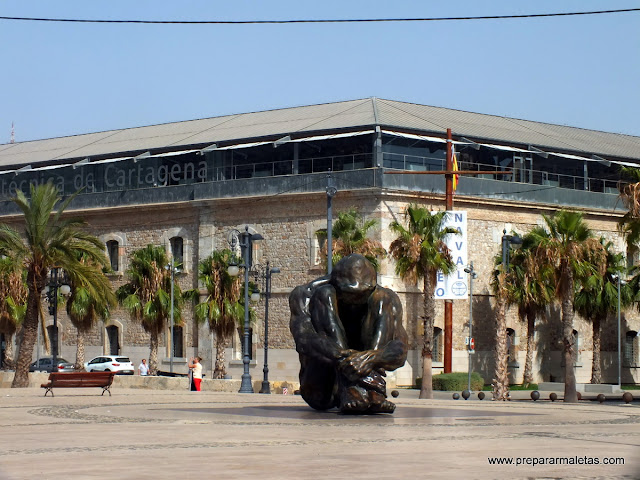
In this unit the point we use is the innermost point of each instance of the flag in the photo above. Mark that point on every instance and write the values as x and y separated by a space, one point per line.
455 167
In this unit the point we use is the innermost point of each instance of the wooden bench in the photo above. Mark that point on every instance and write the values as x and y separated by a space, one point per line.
79 380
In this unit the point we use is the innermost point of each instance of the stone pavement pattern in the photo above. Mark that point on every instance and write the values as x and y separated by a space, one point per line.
151 434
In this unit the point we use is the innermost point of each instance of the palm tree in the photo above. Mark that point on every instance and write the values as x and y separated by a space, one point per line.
420 253
568 247
629 224
598 298
147 295
222 308
85 309
13 305
500 289
531 289
48 240
349 234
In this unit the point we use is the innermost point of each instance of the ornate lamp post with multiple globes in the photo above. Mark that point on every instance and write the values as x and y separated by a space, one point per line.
246 240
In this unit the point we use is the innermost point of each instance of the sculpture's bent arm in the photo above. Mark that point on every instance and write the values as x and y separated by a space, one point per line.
308 340
390 338
384 335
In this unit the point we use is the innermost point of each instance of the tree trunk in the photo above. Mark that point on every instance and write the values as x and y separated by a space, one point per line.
43 328
80 350
153 353
220 368
528 363
30 330
8 352
596 369
501 352
426 390
568 340
19 335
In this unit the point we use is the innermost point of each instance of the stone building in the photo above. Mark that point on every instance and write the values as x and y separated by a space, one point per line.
188 185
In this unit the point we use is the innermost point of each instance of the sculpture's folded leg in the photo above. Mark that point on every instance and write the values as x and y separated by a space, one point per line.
367 396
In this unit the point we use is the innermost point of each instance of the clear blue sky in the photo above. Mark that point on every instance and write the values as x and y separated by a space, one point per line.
63 79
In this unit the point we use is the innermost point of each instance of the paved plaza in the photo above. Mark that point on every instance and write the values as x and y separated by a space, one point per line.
153 434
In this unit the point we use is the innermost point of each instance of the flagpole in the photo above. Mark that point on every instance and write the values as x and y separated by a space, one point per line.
454 160
448 304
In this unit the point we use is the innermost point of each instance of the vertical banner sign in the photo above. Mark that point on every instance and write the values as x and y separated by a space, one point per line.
455 286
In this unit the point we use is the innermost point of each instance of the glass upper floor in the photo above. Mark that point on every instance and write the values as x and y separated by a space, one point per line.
349 153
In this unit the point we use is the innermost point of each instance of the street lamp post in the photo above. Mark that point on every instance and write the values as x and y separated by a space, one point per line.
472 274
57 280
246 239
266 388
173 270
619 347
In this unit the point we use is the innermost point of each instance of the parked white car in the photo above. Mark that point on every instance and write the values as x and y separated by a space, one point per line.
110 363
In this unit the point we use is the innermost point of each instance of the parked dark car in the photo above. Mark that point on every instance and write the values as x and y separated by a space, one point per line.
45 364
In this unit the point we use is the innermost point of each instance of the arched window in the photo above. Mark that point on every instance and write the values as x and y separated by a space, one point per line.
239 350
576 348
178 342
630 349
250 343
178 248
114 243
512 347
177 251
438 347
3 347
53 333
319 245
113 340
632 255
113 251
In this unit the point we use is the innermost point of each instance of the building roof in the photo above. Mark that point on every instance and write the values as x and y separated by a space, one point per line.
325 118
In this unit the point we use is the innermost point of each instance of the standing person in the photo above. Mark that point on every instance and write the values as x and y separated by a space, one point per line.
143 368
196 371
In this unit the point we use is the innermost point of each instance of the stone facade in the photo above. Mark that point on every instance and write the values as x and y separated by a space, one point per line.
288 224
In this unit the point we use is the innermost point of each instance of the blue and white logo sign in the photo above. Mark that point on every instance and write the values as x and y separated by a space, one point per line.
455 286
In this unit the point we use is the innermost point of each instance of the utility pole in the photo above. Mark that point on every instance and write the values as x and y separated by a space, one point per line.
448 304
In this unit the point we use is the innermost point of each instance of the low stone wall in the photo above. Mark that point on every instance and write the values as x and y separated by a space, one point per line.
208 384
580 387
35 379
162 383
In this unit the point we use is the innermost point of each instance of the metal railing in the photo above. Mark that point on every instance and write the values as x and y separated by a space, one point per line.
517 174
334 163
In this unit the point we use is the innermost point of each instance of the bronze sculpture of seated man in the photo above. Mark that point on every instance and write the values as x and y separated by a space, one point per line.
348 332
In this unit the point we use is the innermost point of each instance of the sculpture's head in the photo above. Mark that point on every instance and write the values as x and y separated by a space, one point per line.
354 278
